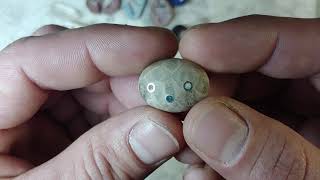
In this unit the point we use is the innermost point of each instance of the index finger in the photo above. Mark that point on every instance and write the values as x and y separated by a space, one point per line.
277 47
73 59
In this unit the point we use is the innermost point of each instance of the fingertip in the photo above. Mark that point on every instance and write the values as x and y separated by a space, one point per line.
170 40
112 47
187 156
122 85
234 46
47 29
201 173
171 122
231 137
193 44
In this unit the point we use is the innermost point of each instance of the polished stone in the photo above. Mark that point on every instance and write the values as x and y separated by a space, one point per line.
161 12
173 85
133 8
177 2
179 30
103 6
111 6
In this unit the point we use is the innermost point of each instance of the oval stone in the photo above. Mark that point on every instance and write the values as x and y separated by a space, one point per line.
177 2
133 8
161 12
94 6
111 6
173 85
179 30
104 6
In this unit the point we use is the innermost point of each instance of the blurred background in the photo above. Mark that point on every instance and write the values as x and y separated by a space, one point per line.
20 18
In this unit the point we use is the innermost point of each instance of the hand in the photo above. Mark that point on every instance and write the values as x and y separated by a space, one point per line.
55 87
278 65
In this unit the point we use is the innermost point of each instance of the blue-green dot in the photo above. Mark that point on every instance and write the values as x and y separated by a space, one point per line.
169 99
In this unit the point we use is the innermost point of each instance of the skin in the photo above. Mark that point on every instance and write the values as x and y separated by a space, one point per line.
56 87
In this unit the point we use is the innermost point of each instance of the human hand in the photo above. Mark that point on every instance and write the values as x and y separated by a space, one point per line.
55 87
278 67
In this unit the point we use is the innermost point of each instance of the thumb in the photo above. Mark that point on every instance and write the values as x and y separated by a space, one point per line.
240 143
128 146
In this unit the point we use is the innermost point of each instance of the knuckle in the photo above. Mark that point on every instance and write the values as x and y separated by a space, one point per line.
101 162
15 46
47 29
281 157
95 164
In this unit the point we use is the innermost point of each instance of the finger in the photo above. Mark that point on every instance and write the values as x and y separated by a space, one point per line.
65 110
11 137
48 29
201 173
59 110
122 147
233 138
302 98
54 96
277 47
255 87
311 131
30 144
187 156
316 81
78 126
68 113
95 97
126 90
11 166
73 59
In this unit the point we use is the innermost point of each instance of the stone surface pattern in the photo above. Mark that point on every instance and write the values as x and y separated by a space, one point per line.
173 85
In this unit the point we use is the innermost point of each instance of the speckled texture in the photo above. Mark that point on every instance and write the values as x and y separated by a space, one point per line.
173 85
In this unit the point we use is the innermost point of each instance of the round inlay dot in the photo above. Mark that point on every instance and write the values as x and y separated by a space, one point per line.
188 86
169 99
151 87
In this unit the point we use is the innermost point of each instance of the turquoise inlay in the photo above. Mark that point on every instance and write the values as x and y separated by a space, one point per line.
169 99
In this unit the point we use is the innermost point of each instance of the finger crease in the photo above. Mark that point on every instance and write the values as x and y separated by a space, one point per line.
306 164
90 57
273 51
259 155
32 82
279 156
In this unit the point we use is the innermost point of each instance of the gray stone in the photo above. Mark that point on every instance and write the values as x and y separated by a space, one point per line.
133 8
161 12
173 85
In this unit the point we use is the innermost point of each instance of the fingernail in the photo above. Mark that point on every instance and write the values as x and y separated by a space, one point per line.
219 133
152 142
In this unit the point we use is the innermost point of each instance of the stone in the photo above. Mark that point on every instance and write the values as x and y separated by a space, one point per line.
104 6
111 6
133 8
173 85
178 30
177 2
94 6
161 12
